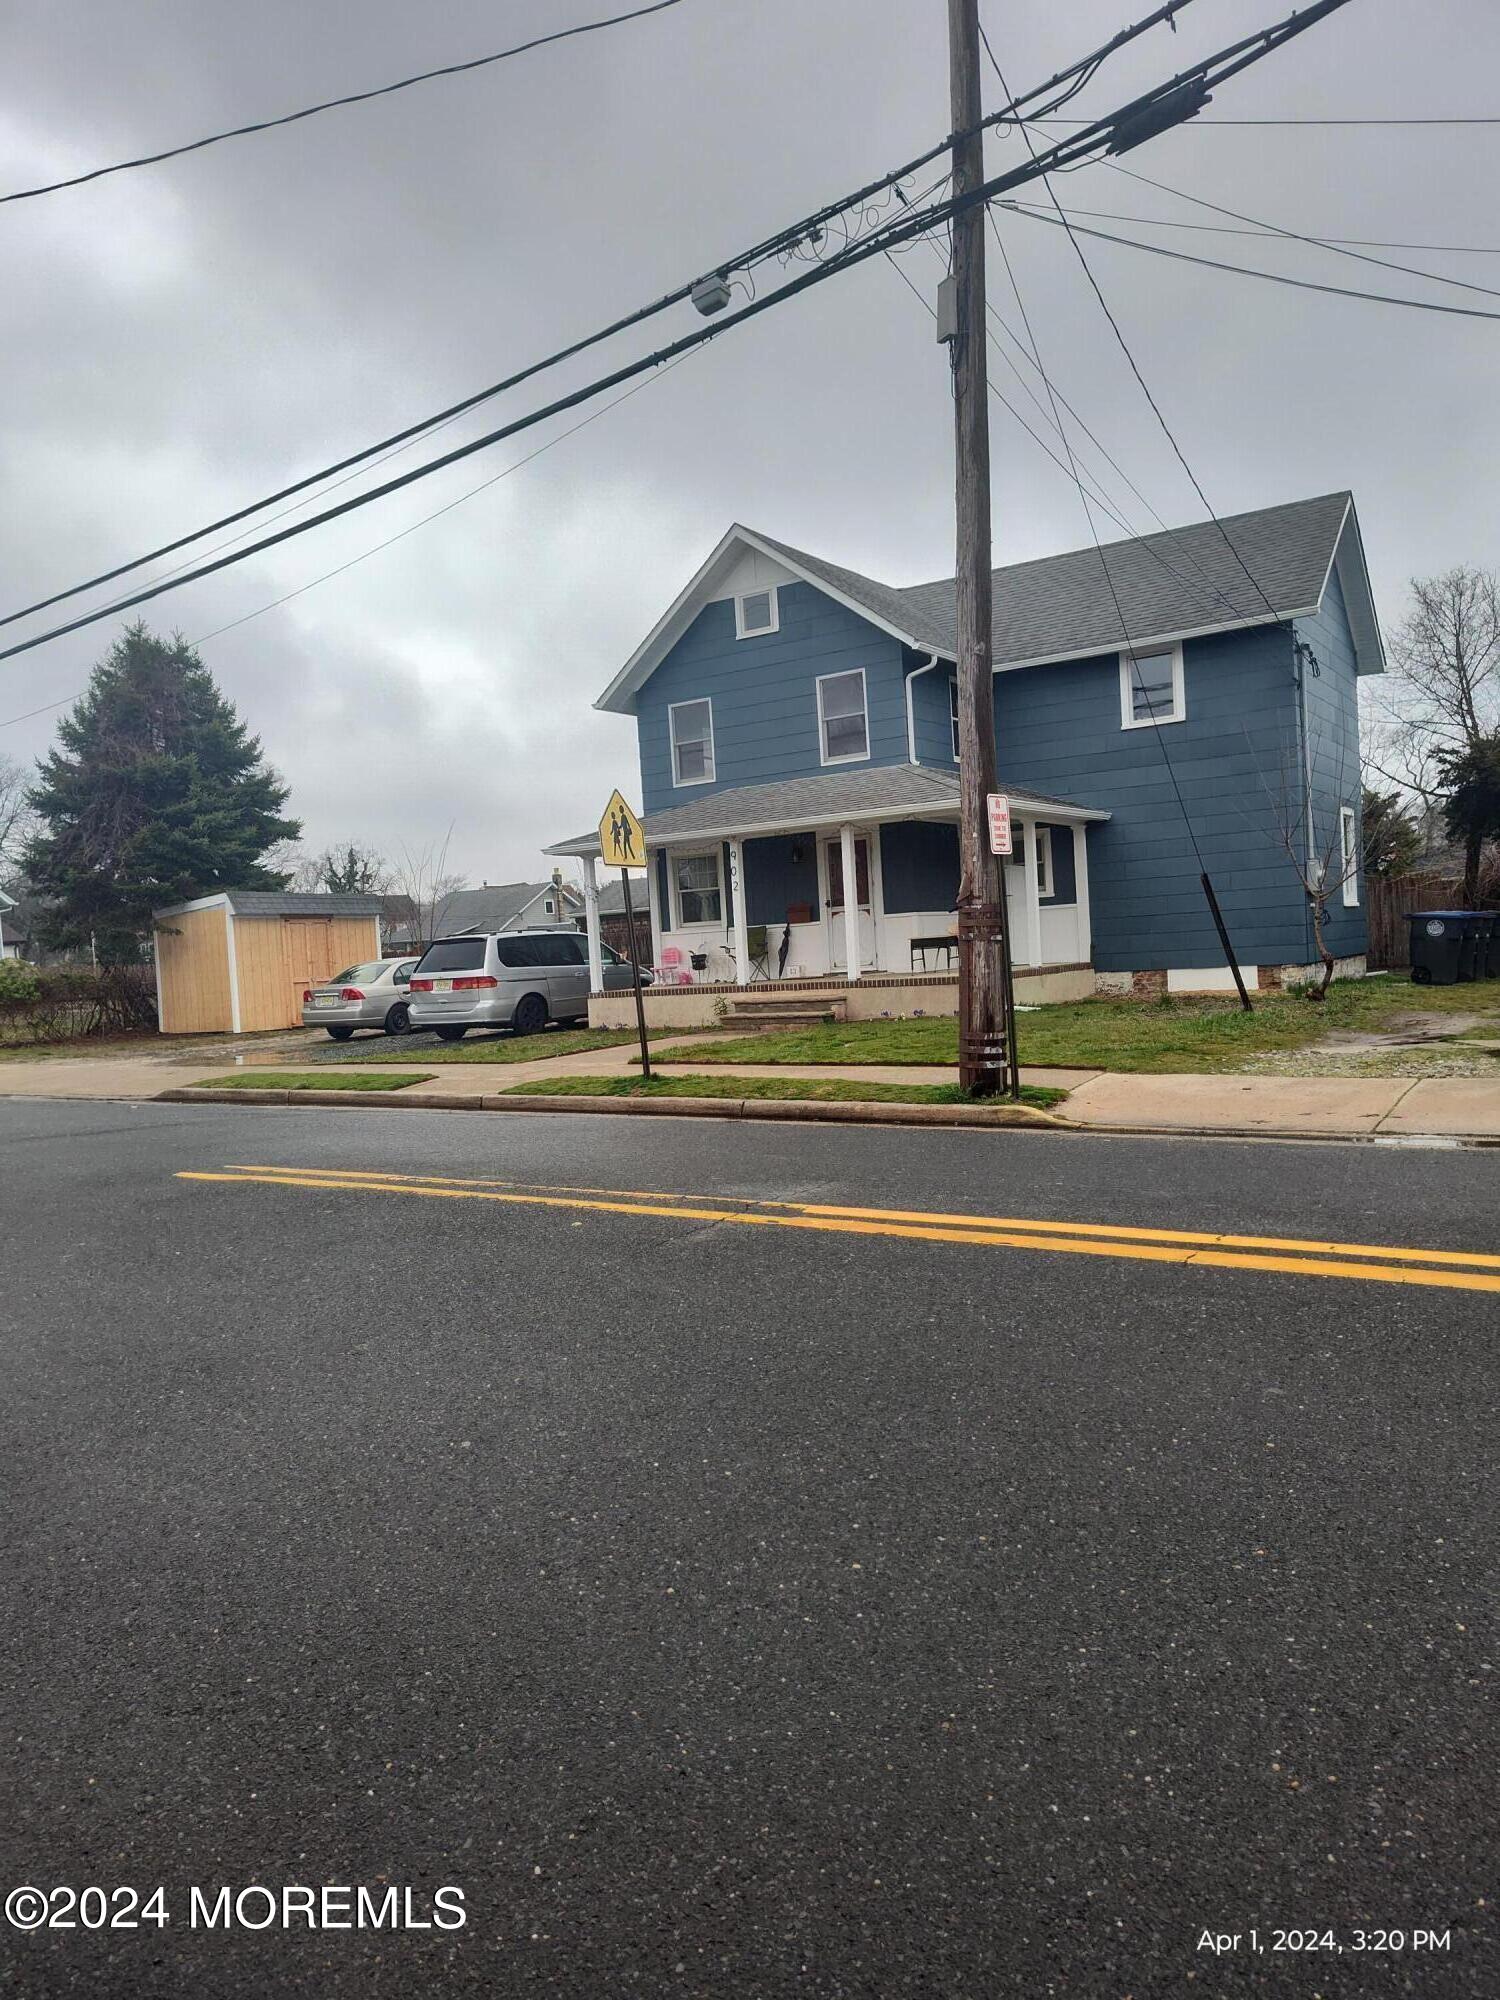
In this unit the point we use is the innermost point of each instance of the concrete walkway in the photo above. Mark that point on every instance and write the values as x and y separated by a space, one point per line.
1315 1107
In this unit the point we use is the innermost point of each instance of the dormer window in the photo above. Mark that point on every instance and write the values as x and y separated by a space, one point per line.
755 613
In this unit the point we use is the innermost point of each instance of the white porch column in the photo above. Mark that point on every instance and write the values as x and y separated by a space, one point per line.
741 924
653 904
1081 893
591 925
1033 896
851 903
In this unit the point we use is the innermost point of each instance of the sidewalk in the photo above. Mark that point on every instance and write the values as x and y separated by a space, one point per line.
1302 1107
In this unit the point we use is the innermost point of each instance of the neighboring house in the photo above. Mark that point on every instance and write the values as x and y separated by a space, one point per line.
502 906
797 733
612 925
8 949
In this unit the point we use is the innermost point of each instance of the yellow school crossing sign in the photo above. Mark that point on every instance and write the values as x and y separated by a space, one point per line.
622 839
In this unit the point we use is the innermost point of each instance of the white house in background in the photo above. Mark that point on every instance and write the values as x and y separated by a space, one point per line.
6 950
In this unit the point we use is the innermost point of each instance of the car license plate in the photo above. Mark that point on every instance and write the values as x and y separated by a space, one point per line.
442 985
325 1000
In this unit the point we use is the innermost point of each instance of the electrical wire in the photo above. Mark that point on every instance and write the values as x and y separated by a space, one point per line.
782 242
904 228
1222 229
1197 122
1270 277
337 103
1124 345
1295 236
313 582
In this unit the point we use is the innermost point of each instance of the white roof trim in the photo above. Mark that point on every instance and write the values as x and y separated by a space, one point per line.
221 901
664 635
1139 642
1351 520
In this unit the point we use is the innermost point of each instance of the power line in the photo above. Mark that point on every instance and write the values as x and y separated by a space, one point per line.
411 529
1320 242
1125 349
337 103
1270 277
905 228
447 508
780 243
1222 229
1199 122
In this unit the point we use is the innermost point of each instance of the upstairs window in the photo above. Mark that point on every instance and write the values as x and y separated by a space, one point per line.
953 714
692 742
1151 689
756 612
843 726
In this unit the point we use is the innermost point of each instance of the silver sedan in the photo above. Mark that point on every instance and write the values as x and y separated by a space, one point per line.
361 996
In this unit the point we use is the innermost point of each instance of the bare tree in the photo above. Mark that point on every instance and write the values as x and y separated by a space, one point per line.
17 820
1318 856
1442 698
421 876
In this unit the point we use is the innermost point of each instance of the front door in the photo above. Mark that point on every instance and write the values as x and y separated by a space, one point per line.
833 903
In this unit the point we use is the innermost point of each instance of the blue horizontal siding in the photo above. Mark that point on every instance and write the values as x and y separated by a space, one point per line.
1332 705
764 695
1058 729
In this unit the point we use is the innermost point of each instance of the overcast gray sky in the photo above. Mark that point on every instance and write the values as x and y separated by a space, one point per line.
178 340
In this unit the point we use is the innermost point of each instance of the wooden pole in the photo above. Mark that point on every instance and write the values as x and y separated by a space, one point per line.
635 973
983 960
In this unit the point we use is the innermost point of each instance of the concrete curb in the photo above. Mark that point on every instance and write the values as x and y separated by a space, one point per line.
1005 1117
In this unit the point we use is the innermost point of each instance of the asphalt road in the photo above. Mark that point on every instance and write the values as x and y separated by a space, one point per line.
786 1606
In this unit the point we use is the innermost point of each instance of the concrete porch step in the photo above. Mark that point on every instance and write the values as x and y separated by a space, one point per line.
804 1010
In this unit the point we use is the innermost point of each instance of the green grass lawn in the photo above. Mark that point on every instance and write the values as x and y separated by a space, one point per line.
822 1090
481 1048
1149 1035
301 1079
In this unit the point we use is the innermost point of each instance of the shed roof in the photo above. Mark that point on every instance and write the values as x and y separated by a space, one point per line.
279 903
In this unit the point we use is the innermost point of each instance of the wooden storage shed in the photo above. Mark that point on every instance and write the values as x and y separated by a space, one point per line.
235 962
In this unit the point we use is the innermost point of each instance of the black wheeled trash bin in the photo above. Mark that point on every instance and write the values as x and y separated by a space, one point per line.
1438 940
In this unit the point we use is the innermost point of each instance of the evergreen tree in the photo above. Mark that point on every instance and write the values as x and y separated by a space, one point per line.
158 793
1471 811
1392 838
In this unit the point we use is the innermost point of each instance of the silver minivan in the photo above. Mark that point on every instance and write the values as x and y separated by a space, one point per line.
507 979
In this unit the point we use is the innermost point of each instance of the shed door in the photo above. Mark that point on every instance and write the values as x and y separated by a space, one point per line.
307 945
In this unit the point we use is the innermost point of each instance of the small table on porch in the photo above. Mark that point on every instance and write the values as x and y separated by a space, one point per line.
924 947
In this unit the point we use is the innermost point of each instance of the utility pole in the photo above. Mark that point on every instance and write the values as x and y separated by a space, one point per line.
985 1059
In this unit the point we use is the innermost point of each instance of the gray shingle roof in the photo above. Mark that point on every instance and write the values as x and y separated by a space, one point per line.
488 908
1168 583
887 792
293 903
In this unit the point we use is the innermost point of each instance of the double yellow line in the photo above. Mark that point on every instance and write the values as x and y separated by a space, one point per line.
1387 1264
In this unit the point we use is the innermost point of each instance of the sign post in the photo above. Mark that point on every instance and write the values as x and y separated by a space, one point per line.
997 811
622 843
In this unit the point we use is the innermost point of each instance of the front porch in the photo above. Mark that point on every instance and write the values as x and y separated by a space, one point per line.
842 889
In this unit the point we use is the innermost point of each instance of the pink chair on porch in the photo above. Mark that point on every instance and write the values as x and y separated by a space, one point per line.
672 971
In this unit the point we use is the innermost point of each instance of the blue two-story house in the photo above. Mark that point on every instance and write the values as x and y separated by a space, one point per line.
1181 703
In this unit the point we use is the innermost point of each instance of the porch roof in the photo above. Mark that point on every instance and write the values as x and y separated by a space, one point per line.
795 805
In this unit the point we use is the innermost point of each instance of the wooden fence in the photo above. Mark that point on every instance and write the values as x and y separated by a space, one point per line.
1389 899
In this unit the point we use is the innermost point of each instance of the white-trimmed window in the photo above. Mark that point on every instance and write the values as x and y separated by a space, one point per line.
953 713
843 724
1349 852
697 889
1041 848
1151 689
692 724
756 613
